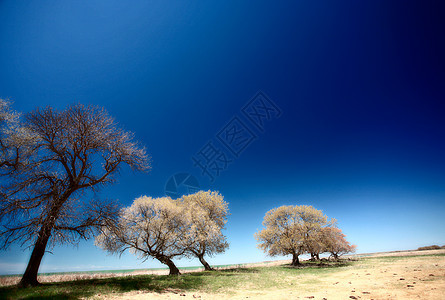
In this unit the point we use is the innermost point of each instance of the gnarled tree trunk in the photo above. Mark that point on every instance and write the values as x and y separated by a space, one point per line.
315 256
173 269
206 265
171 265
30 276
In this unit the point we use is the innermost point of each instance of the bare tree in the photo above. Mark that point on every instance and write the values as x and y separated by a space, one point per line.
208 215
151 228
63 158
289 230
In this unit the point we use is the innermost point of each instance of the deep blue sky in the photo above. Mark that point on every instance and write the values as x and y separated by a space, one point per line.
360 84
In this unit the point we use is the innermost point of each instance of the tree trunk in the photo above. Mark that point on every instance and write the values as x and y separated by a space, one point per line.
317 256
171 265
295 259
206 265
30 276
173 269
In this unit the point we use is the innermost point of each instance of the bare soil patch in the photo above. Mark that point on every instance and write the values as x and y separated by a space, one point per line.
395 275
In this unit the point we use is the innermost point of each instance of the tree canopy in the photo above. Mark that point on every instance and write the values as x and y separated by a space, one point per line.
150 227
335 242
164 229
294 230
207 216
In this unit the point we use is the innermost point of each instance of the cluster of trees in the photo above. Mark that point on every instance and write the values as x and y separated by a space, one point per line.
296 230
163 228
52 163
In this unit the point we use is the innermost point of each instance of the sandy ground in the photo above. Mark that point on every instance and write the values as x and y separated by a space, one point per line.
408 278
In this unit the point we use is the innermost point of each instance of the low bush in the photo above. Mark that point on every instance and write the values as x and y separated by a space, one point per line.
433 247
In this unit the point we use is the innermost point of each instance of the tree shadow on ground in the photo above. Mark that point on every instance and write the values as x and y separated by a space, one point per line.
320 264
225 272
87 288
90 287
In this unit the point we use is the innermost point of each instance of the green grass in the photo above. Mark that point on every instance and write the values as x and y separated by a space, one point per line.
222 281
86 288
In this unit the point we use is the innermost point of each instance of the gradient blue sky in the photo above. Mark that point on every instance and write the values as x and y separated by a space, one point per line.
361 87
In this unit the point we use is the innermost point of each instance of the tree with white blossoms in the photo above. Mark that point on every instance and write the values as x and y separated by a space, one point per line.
7 121
150 228
289 230
207 213
14 139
